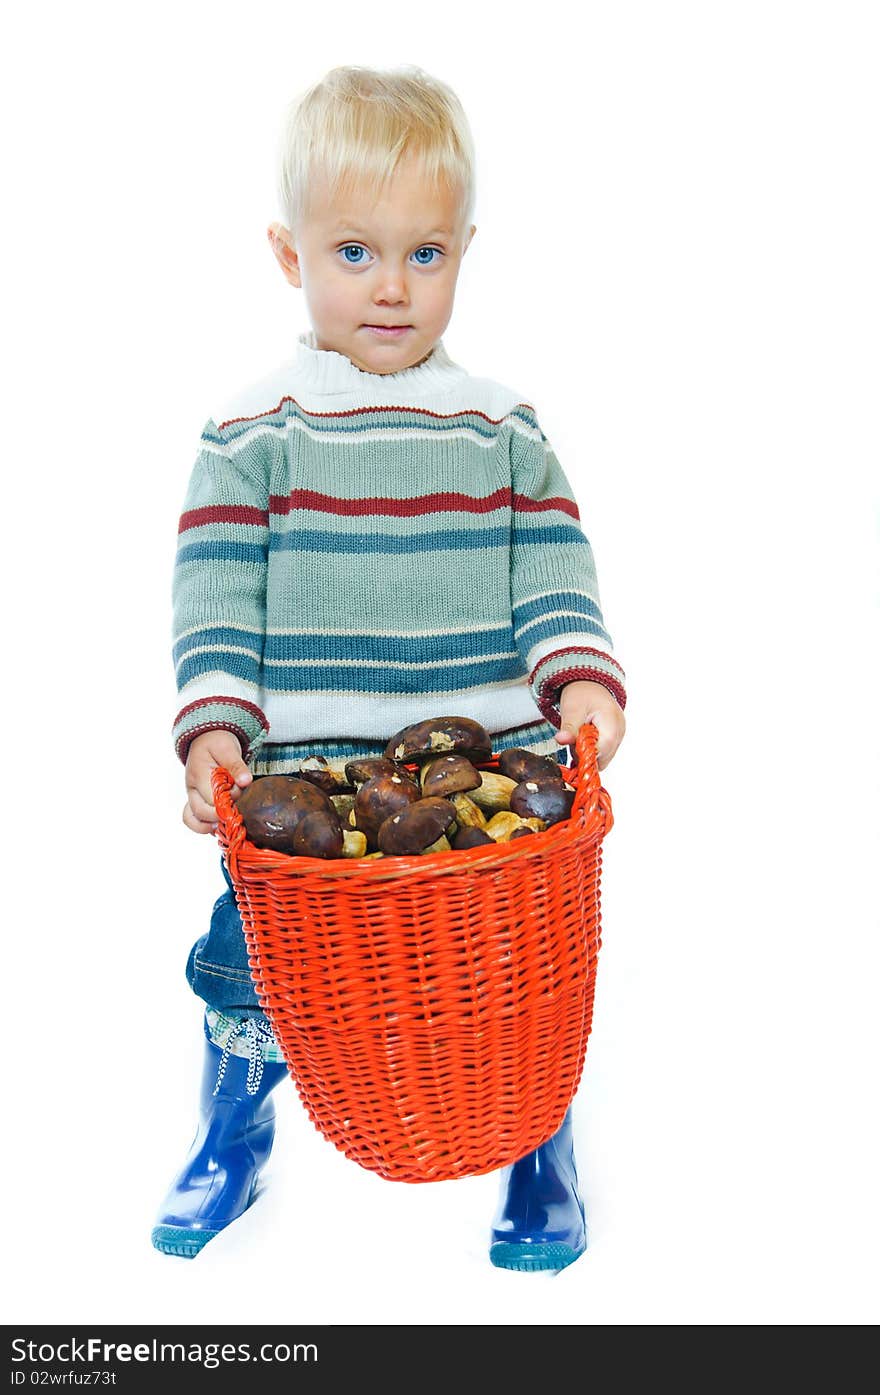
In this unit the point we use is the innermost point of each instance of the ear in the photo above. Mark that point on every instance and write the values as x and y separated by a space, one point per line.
467 244
283 246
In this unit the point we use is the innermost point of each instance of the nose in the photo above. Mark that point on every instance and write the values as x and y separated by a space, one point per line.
391 286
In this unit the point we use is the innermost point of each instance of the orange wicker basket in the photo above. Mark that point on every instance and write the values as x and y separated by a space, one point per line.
433 1011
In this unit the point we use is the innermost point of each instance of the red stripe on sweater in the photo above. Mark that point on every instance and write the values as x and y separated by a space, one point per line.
221 698
395 508
310 499
527 505
223 513
379 407
548 690
572 649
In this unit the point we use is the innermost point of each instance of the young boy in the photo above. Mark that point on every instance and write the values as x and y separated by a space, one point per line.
371 536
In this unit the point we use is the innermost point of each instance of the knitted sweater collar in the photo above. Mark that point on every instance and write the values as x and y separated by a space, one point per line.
326 371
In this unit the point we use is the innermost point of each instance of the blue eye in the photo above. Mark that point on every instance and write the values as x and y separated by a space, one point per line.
359 254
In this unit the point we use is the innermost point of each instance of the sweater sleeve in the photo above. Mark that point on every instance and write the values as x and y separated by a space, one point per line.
219 595
557 618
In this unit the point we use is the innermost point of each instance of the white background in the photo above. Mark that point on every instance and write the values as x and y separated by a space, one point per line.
676 262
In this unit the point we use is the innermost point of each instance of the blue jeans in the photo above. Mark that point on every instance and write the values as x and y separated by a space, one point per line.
217 968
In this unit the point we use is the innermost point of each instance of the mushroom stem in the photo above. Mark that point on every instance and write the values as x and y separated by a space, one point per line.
441 844
354 843
493 794
468 814
506 822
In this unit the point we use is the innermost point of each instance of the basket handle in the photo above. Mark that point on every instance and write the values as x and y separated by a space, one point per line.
585 770
231 832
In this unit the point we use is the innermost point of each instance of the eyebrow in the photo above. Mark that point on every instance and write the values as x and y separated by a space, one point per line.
349 229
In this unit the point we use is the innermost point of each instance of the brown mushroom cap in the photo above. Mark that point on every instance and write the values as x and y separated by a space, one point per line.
550 800
272 806
379 797
416 827
318 834
317 771
522 833
448 775
358 771
471 837
518 764
423 741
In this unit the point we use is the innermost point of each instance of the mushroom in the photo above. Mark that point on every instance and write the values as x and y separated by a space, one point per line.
493 792
448 775
467 813
273 805
317 771
550 800
379 797
421 741
358 771
519 764
354 843
470 837
343 804
502 825
319 834
419 828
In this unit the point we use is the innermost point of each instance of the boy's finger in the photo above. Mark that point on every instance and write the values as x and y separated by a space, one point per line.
197 825
202 808
606 751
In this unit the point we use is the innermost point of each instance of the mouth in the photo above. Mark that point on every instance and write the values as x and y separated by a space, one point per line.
388 331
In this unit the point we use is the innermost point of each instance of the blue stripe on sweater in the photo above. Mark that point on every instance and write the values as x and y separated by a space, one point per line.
243 666
562 625
417 649
297 645
220 551
218 635
555 600
435 540
359 678
549 532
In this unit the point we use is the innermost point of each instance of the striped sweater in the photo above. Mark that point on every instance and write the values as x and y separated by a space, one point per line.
358 551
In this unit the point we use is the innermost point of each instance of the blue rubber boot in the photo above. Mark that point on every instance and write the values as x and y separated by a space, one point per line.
539 1223
236 1129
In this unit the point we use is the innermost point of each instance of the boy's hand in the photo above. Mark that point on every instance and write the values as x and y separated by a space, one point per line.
584 701
209 750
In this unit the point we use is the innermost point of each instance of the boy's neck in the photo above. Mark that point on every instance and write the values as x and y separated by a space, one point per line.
329 371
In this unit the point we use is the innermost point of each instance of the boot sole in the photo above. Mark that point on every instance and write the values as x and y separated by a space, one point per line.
175 1240
185 1243
531 1258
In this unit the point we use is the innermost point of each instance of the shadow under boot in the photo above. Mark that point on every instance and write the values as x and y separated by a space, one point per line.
539 1223
236 1130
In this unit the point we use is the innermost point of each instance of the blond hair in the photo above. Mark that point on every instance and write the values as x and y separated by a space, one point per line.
357 124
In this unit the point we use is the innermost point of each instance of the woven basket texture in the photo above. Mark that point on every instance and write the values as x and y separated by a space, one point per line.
433 1011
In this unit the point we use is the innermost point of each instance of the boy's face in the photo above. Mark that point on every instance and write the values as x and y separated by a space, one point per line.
367 265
